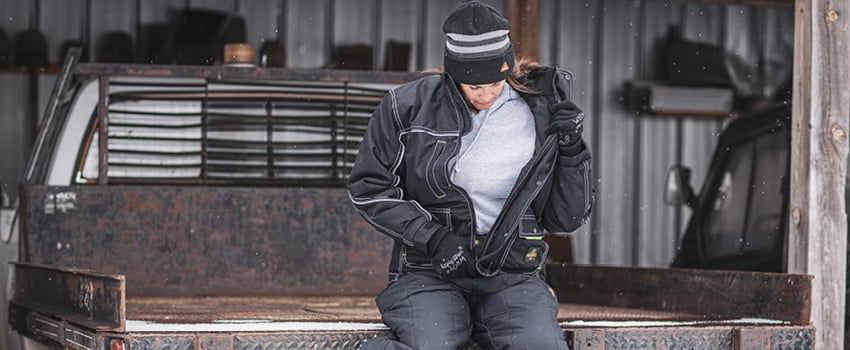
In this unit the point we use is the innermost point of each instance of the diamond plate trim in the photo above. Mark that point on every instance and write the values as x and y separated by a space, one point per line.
299 341
163 342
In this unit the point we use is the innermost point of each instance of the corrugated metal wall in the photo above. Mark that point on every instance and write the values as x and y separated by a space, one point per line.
604 43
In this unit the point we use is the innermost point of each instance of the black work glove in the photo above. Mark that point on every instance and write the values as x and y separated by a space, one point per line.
567 121
449 255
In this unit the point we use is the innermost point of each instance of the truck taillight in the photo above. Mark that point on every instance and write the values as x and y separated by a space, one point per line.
116 344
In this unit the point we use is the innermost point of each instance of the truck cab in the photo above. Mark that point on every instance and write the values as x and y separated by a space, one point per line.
739 216
738 219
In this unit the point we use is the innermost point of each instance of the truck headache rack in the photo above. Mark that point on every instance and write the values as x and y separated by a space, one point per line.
212 125
286 133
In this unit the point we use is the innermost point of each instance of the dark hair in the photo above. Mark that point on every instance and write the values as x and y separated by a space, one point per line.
522 68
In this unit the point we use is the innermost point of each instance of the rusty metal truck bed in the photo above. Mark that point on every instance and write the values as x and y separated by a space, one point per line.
194 310
601 307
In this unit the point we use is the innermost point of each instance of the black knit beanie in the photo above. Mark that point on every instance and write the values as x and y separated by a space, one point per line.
478 50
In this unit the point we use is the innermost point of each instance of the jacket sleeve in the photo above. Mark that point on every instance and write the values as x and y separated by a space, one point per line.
572 195
376 187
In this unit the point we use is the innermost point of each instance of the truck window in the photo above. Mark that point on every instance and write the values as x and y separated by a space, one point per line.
285 133
745 212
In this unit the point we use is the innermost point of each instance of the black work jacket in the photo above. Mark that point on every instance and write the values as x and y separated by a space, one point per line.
400 182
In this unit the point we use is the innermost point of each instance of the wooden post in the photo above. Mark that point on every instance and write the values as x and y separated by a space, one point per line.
817 237
525 26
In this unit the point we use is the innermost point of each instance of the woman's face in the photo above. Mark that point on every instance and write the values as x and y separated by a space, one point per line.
480 97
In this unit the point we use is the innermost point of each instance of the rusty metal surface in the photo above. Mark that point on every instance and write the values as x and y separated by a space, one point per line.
282 308
751 338
253 341
762 338
207 241
90 299
715 338
737 337
714 294
584 312
586 339
164 342
336 308
301 341
231 73
54 332
661 338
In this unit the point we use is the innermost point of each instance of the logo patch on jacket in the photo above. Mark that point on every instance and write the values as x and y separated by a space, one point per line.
531 255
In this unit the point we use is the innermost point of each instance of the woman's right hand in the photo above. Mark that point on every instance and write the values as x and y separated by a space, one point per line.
449 256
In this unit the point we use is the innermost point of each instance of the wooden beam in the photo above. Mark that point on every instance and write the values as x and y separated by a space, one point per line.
712 294
525 26
86 298
817 238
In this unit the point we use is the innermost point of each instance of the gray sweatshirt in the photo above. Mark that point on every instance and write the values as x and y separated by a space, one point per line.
499 144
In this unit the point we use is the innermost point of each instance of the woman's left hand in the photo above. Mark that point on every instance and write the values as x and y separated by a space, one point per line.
567 121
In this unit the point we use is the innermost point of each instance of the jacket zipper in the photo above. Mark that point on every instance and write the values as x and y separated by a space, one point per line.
459 110
587 192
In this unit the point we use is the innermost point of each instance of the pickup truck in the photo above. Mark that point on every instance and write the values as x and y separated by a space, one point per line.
738 220
182 207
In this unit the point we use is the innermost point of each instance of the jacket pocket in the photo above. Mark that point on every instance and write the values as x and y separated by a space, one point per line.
443 216
416 260
528 252
434 169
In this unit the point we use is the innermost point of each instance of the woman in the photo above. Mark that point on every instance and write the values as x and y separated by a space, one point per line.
466 171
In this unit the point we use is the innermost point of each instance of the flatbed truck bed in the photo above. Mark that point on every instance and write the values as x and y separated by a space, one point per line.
599 309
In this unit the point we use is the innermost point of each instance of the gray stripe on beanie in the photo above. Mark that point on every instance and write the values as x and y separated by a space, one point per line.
491 45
